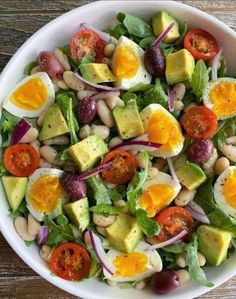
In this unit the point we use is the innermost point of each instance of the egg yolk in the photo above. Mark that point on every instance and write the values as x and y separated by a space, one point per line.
162 129
45 193
125 63
155 198
128 265
230 190
223 99
31 95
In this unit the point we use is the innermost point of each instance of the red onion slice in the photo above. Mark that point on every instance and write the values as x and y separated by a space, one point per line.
105 95
197 212
42 237
162 36
21 128
94 171
137 145
100 253
215 64
172 169
95 85
170 98
103 35
175 239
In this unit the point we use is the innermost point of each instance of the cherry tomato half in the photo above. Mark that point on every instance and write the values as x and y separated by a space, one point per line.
21 159
172 221
70 261
123 167
199 122
87 42
201 44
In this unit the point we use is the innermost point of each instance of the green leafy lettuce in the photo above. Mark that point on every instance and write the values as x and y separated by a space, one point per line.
107 209
226 128
149 227
99 191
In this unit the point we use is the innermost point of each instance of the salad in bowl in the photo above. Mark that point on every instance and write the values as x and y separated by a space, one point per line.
119 151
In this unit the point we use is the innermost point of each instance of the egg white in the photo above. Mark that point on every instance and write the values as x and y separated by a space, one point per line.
146 114
208 89
219 191
142 75
32 179
13 109
154 263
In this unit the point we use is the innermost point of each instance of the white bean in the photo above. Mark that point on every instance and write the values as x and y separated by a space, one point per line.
111 283
102 131
35 144
114 141
49 154
181 260
140 160
63 59
184 197
33 225
119 203
56 88
159 163
152 172
30 136
221 164
208 166
59 140
109 50
72 81
229 151
45 253
112 102
62 84
35 70
41 118
184 276
21 226
85 131
178 105
103 221
105 114
107 61
81 94
102 231
44 164
140 285
201 259
87 240
179 91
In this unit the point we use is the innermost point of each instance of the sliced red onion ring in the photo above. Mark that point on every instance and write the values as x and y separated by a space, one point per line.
170 98
42 237
103 35
197 212
175 239
215 62
172 169
21 128
162 36
137 145
94 171
100 253
95 85
105 94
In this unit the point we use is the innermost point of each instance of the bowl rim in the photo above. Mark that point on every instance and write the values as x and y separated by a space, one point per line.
56 281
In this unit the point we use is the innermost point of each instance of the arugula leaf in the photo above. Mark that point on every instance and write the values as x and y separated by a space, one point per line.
21 210
200 79
146 42
73 62
180 40
118 31
127 96
3 169
222 220
7 125
156 94
107 209
149 227
28 68
140 87
64 155
29 243
175 248
72 123
95 269
114 194
195 271
188 99
233 242
223 68
226 128
100 191
86 59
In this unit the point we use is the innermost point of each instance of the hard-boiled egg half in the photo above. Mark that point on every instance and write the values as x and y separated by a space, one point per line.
158 193
31 96
128 64
134 266
44 194
220 97
162 128
225 191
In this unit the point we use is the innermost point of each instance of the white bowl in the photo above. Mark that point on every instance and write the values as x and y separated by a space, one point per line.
58 32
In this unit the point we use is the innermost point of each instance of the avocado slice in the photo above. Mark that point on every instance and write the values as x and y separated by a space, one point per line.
124 233
213 243
128 120
88 151
96 72
179 66
191 175
161 21
54 124
78 212
15 188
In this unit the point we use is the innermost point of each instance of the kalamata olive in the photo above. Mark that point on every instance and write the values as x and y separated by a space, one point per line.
75 188
154 61
200 151
49 63
87 110
165 281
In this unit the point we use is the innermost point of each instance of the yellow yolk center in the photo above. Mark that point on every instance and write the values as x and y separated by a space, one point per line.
45 193
161 129
126 63
128 265
230 190
31 95
223 99
155 198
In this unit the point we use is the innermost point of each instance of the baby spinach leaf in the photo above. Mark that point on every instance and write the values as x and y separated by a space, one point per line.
21 210
146 42
86 59
3 169
175 248
222 220
99 190
118 31
107 209
114 194
140 87
226 128
156 94
72 123
28 68
149 227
